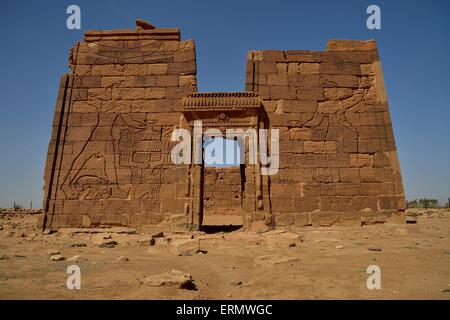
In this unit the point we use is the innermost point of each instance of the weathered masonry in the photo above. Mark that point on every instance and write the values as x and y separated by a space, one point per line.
109 160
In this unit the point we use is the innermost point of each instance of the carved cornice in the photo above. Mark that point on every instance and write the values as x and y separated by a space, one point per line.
136 34
221 101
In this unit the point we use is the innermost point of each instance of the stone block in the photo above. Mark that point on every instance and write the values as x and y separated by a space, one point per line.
282 204
366 202
155 93
351 45
303 106
342 81
184 247
309 94
304 80
306 204
324 219
337 203
309 68
302 219
361 160
340 68
279 92
277 80
349 174
167 81
282 68
128 93
157 69
273 55
301 56
267 67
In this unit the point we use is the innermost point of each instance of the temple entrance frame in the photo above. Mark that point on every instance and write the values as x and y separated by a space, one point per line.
224 111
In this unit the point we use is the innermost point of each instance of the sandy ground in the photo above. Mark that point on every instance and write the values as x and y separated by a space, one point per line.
324 263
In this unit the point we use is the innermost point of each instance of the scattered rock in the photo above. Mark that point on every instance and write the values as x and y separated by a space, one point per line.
47 231
108 243
251 238
18 256
57 257
144 25
75 258
292 244
158 234
374 249
98 230
52 252
146 241
161 241
273 259
236 283
104 241
281 238
173 278
182 247
76 245
446 290
212 236
122 259
259 226
177 236
274 232
291 236
339 247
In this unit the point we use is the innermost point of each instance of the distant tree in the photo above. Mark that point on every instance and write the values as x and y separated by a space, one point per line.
433 203
428 203
413 204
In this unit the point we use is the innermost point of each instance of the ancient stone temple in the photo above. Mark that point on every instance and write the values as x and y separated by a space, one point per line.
109 159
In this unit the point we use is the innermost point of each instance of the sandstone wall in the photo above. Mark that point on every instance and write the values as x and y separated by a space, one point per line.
109 161
109 155
223 192
337 153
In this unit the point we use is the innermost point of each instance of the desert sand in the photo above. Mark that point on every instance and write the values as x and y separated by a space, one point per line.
304 263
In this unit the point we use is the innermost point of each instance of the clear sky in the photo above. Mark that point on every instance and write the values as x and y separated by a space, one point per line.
413 43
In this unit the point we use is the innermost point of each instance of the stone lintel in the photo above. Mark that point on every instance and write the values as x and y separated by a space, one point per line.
139 34
351 45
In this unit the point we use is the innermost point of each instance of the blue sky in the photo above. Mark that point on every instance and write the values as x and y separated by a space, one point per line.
413 43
